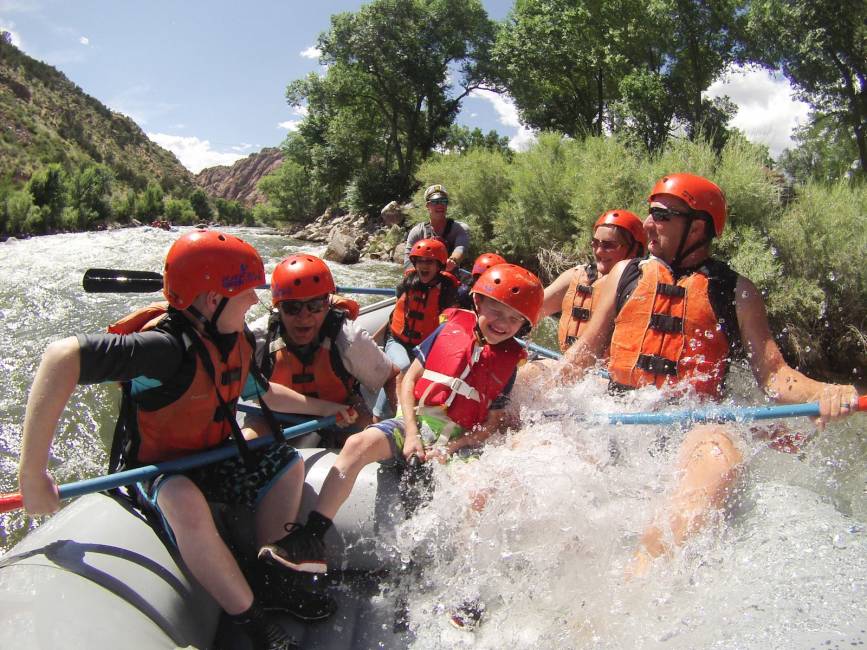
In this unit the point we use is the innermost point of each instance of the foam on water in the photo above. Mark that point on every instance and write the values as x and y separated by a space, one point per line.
547 553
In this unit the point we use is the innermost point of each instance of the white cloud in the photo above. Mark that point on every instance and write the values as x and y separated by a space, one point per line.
136 103
507 114
193 153
301 110
84 40
289 125
311 52
767 113
242 147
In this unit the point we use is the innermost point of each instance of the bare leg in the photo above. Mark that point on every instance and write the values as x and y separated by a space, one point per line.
709 463
360 449
203 550
280 505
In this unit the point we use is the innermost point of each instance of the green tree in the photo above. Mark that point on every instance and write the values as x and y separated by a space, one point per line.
47 186
461 139
289 192
387 99
149 204
199 202
88 196
825 151
821 48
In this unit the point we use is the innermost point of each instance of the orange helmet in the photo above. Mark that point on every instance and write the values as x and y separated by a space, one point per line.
485 261
208 260
627 220
699 193
515 287
431 248
299 277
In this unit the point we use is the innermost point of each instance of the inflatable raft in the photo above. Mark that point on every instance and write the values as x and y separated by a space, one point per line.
97 576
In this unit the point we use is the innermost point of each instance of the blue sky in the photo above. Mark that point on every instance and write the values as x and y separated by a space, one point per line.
207 80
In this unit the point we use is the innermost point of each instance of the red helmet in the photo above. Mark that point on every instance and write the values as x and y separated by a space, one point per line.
698 192
431 248
485 261
627 220
299 277
515 287
208 260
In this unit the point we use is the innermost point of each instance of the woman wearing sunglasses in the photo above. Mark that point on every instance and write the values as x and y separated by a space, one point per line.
617 235
310 343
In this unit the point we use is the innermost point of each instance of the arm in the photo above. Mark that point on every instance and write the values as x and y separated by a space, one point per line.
462 243
285 400
412 445
54 383
556 291
415 233
779 380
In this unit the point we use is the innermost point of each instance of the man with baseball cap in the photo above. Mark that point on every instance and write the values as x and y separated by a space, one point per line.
452 233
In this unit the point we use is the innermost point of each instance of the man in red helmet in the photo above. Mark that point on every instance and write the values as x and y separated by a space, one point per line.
454 393
452 233
183 367
680 317
312 344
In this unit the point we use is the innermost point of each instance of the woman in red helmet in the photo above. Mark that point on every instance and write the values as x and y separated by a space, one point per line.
425 291
617 235
454 393
312 344
183 366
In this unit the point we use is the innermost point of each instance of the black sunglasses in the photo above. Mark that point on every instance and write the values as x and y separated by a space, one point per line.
439 201
314 306
665 214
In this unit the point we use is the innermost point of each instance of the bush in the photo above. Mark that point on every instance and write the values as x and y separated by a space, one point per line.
291 194
179 212
149 204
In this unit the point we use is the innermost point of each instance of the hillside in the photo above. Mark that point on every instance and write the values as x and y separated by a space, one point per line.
45 118
238 182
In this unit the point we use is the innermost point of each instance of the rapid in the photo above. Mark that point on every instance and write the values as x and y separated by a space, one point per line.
785 566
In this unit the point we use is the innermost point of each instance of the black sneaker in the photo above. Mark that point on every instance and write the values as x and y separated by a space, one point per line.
265 632
282 591
299 551
468 616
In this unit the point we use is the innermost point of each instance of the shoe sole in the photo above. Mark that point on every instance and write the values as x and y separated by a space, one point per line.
268 555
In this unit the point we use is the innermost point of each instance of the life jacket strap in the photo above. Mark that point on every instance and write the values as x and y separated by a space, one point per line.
456 384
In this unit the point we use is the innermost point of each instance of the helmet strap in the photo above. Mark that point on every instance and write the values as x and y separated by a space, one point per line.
210 326
682 250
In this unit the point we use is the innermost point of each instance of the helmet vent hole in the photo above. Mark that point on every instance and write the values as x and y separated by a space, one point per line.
221 238
316 279
497 280
297 282
515 290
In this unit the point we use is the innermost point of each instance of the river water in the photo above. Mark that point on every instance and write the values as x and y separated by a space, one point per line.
784 567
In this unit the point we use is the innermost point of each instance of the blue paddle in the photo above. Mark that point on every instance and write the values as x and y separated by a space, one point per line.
13 500
121 281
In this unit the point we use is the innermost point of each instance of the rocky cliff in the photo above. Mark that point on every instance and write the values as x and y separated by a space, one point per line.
238 182
45 118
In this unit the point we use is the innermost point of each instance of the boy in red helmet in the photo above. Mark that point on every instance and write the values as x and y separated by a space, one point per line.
455 391
680 317
311 343
425 291
183 366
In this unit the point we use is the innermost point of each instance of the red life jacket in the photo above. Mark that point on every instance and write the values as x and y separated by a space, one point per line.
667 332
417 311
576 307
194 421
463 376
322 374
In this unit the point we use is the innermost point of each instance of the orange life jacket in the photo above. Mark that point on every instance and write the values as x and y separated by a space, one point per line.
194 421
576 307
463 375
667 332
321 373
417 310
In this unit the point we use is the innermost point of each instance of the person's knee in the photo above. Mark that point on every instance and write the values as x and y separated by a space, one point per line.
358 447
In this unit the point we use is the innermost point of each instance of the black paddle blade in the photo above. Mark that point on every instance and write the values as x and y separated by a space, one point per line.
120 281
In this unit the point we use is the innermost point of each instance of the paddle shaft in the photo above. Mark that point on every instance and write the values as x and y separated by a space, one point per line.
124 281
14 501
711 414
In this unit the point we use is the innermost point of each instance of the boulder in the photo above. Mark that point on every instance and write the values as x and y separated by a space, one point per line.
343 247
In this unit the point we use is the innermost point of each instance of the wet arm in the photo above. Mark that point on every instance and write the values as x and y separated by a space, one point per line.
556 291
779 380
286 400
405 393
54 383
